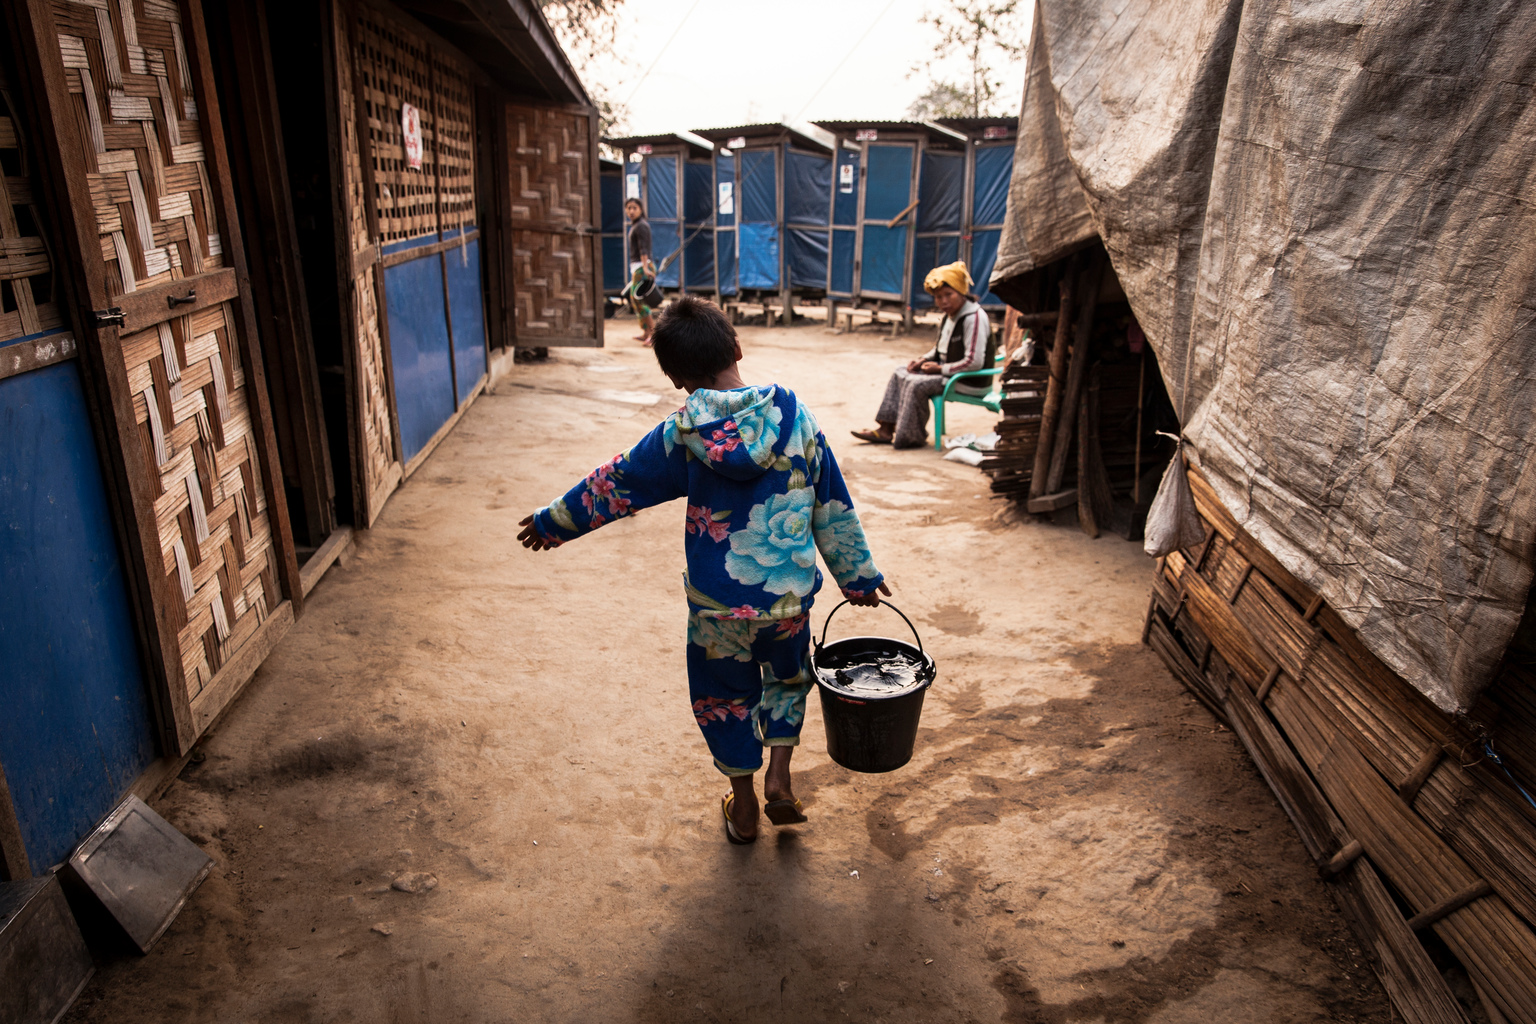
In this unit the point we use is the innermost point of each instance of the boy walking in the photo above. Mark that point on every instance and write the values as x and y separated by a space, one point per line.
764 495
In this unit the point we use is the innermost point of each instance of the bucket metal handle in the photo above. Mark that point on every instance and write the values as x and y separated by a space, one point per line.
883 604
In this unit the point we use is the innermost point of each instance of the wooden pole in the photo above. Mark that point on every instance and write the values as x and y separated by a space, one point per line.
1077 376
1141 401
1095 503
1053 387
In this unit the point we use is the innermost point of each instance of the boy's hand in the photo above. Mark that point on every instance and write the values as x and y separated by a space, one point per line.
529 537
931 367
871 599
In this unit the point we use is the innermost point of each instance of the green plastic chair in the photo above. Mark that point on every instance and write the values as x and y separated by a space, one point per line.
992 400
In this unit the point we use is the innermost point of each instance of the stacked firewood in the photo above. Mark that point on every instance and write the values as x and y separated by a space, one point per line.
1080 417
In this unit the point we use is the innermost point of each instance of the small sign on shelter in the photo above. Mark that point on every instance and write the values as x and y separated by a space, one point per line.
867 135
410 125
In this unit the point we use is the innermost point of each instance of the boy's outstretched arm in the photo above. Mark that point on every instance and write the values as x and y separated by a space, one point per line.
653 471
839 534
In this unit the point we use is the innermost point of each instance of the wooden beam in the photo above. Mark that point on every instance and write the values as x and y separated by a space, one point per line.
1054 388
1077 374
36 353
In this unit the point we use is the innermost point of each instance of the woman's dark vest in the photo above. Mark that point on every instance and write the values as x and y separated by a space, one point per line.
956 351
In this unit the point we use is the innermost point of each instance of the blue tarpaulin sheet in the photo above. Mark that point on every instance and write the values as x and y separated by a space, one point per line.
983 259
887 192
807 258
615 267
889 188
698 193
845 201
666 237
994 170
725 175
661 188
843 243
807 188
611 189
941 187
759 267
927 253
725 252
885 256
699 260
758 186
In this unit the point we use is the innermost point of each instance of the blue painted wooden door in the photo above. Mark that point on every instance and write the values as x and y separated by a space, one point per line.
436 335
76 728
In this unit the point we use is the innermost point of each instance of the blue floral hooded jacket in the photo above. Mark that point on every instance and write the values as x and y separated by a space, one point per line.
764 494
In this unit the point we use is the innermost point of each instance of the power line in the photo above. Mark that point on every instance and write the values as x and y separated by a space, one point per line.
662 51
851 49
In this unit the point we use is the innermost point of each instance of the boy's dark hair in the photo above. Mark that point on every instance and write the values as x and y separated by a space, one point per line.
693 340
637 202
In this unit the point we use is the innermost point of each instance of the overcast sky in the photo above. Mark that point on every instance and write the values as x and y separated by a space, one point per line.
737 62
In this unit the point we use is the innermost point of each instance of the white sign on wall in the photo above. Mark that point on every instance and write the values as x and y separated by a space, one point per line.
845 178
727 198
631 186
867 134
410 124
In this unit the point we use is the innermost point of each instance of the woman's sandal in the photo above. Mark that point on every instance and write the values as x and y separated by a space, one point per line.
786 811
731 833
872 436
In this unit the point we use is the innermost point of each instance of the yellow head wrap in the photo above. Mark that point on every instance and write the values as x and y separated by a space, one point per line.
954 274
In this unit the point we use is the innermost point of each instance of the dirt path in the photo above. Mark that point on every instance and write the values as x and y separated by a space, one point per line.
1075 840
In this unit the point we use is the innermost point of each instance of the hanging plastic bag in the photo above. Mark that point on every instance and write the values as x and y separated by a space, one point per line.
1173 521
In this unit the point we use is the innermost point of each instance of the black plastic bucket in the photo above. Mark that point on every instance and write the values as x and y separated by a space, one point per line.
868 731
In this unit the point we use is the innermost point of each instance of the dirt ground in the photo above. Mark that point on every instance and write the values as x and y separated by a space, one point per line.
1075 840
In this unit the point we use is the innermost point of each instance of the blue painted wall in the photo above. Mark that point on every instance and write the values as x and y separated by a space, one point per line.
419 350
464 302
76 728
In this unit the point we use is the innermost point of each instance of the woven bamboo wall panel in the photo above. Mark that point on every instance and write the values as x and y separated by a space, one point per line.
125 66
375 435
395 66
154 205
28 303
190 400
550 172
455 100
554 278
378 438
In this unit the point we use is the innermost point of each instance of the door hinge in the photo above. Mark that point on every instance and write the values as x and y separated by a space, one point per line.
112 316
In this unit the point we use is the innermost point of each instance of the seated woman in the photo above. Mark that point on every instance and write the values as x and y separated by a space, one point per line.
965 343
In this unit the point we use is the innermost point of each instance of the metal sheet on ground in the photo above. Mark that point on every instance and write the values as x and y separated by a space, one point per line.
141 869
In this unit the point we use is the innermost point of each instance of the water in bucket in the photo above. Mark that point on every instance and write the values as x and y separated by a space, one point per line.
872 690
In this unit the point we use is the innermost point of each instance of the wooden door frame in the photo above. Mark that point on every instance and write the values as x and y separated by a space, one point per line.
278 278
84 271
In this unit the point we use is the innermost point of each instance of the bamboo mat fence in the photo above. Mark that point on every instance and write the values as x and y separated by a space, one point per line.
1410 819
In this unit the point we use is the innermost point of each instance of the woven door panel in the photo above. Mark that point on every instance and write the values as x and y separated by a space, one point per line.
550 172
141 143
28 304
375 434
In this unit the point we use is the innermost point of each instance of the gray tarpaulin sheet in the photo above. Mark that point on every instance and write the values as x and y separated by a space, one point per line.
1323 211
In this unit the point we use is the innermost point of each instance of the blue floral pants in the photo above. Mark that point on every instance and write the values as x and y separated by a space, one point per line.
748 679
